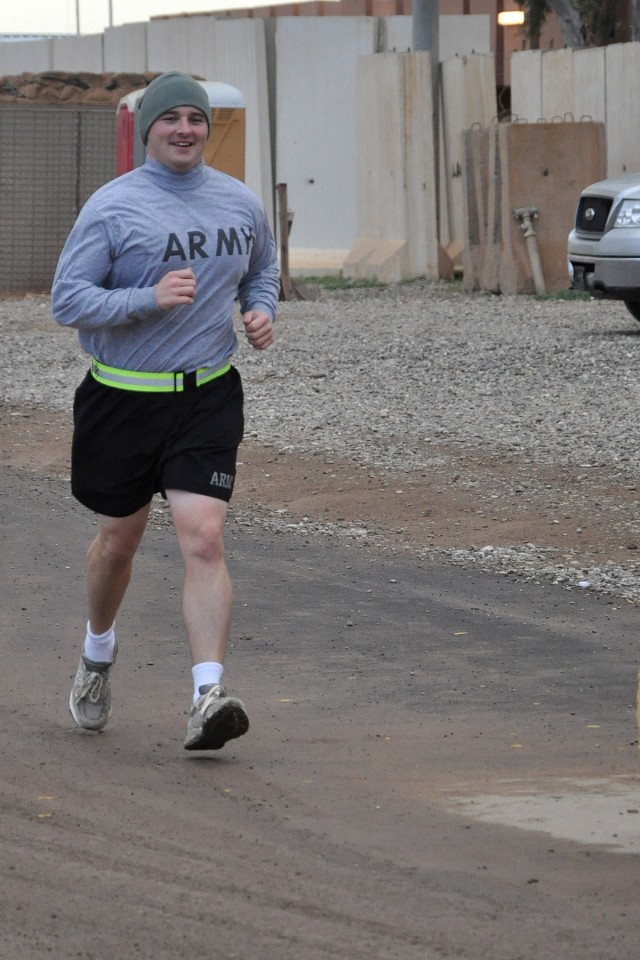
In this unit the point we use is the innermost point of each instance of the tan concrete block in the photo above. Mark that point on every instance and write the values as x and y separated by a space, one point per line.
358 256
383 260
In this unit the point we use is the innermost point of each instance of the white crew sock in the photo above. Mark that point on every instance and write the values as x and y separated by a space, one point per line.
99 647
204 674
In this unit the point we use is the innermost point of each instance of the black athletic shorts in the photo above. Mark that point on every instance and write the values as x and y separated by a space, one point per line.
127 446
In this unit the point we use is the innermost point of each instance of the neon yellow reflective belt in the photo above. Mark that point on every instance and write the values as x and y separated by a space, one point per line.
145 382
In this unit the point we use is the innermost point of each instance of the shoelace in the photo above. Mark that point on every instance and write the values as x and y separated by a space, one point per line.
92 687
210 697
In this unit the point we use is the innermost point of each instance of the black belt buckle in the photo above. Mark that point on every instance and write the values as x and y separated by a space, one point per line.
189 380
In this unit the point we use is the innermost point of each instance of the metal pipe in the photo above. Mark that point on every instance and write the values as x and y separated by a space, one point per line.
525 217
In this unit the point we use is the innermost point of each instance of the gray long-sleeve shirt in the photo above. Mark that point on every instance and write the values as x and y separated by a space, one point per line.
137 228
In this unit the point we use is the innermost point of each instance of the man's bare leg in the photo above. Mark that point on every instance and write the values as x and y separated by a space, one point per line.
207 598
109 563
207 592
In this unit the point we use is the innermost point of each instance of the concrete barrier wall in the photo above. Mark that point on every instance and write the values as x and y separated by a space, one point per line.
229 51
468 100
526 86
398 232
397 204
299 79
558 87
82 53
316 138
25 56
457 35
589 85
125 49
600 84
301 127
381 184
317 122
622 86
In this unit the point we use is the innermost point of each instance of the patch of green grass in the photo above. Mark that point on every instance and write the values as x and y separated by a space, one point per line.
336 282
565 295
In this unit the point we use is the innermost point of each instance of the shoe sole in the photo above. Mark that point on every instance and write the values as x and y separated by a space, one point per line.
227 723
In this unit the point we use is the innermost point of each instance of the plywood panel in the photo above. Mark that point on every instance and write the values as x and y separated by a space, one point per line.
544 167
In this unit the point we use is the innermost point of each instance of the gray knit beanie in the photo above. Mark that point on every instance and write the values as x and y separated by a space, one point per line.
167 91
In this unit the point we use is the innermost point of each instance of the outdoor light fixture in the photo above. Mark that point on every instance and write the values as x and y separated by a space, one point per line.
511 18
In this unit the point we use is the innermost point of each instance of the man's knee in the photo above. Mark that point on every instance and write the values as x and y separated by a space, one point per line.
204 541
199 523
119 537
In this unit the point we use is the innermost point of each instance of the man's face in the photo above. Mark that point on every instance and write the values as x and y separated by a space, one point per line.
177 138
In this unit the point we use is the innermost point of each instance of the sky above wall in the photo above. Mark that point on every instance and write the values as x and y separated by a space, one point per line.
61 16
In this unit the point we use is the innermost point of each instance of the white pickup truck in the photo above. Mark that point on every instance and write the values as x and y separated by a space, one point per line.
603 250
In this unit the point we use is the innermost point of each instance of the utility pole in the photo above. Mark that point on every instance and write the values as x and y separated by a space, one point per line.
426 17
426 24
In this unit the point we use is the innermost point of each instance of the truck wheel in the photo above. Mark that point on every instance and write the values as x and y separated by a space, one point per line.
633 306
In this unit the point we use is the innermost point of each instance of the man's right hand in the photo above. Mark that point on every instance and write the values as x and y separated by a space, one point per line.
175 288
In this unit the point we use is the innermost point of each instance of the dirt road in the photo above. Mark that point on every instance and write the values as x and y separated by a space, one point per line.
440 763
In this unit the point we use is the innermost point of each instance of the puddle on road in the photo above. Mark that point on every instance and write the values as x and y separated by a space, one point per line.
603 812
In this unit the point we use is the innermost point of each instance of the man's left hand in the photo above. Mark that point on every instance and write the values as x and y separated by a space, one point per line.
258 329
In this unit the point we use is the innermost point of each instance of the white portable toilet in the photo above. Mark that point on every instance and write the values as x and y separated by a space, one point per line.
225 147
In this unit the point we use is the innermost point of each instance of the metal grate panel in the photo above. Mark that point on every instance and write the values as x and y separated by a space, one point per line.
52 159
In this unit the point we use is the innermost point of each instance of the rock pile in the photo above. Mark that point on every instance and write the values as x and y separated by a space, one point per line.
56 86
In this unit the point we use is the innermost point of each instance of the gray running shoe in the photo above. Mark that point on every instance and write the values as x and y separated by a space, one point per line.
90 699
215 718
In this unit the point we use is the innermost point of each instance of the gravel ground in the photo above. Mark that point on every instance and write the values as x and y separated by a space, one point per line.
421 377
